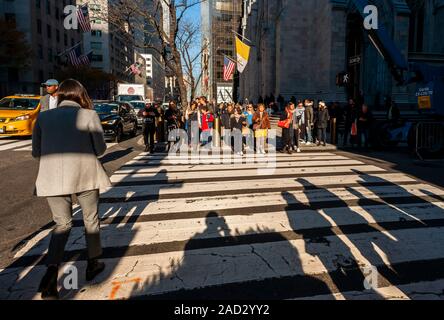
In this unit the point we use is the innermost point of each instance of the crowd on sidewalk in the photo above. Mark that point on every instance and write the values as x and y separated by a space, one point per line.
302 123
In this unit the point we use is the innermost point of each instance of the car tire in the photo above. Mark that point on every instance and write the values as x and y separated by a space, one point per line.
135 130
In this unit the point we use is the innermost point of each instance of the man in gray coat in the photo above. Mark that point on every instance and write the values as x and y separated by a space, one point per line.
49 101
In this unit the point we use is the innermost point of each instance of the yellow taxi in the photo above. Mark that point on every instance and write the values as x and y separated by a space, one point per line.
18 115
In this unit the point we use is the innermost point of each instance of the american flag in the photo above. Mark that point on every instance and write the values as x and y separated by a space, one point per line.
83 18
86 58
74 56
229 67
135 69
77 59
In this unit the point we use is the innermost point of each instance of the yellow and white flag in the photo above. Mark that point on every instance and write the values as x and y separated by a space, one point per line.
243 54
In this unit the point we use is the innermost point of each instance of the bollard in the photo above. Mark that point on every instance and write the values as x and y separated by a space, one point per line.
333 128
216 133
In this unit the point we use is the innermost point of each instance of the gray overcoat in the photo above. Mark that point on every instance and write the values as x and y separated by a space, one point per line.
68 141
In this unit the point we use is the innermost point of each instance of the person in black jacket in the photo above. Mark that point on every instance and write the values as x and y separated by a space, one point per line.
351 114
237 123
226 116
364 124
150 114
322 123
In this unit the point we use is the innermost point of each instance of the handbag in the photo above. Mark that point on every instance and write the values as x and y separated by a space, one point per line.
354 129
284 124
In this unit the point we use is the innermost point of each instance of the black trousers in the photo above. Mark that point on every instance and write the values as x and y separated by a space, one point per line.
288 138
149 131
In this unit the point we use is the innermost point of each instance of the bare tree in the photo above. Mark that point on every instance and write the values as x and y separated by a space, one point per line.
159 20
191 49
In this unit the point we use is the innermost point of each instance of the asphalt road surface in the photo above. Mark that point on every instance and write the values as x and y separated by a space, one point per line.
317 227
21 213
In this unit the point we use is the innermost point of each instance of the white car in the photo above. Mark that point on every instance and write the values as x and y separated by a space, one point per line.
139 106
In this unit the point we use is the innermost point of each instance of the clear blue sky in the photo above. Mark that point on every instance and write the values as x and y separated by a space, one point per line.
194 15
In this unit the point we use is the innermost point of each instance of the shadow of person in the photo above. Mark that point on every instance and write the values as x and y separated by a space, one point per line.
121 218
220 263
398 197
330 242
405 219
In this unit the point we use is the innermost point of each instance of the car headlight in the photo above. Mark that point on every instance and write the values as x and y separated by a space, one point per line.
111 122
22 118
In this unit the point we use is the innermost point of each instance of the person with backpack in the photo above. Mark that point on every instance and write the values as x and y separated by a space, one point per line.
149 126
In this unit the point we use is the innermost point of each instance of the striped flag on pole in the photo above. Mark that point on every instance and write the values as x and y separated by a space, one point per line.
83 18
229 67
86 59
74 55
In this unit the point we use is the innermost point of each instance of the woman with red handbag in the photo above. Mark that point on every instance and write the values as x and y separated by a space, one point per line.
286 123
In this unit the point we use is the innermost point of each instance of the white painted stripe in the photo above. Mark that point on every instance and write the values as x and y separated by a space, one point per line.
427 290
167 272
146 233
15 145
24 149
244 173
295 156
221 186
159 160
191 168
5 141
239 202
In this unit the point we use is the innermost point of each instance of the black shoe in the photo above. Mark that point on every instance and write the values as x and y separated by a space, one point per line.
94 268
48 285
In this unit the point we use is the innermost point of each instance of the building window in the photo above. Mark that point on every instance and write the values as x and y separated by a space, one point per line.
48 31
96 45
97 57
40 51
48 7
39 26
96 33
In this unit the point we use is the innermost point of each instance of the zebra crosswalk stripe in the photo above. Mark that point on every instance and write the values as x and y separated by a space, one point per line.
204 232
14 145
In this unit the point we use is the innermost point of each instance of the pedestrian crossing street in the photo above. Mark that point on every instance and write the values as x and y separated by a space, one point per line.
316 228
10 144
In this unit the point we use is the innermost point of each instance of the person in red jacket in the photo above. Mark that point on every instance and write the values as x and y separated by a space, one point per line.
207 125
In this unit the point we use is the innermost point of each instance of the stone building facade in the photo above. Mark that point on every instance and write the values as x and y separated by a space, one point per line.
42 24
301 46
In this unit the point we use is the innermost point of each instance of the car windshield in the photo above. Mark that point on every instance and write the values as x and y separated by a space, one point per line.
128 98
138 105
106 108
18 104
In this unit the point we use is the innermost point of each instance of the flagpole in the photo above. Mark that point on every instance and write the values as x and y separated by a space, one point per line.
243 37
229 58
67 50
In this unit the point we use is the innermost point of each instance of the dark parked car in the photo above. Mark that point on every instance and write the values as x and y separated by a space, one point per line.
118 118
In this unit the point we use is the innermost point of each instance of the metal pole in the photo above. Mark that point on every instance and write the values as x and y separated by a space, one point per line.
216 132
